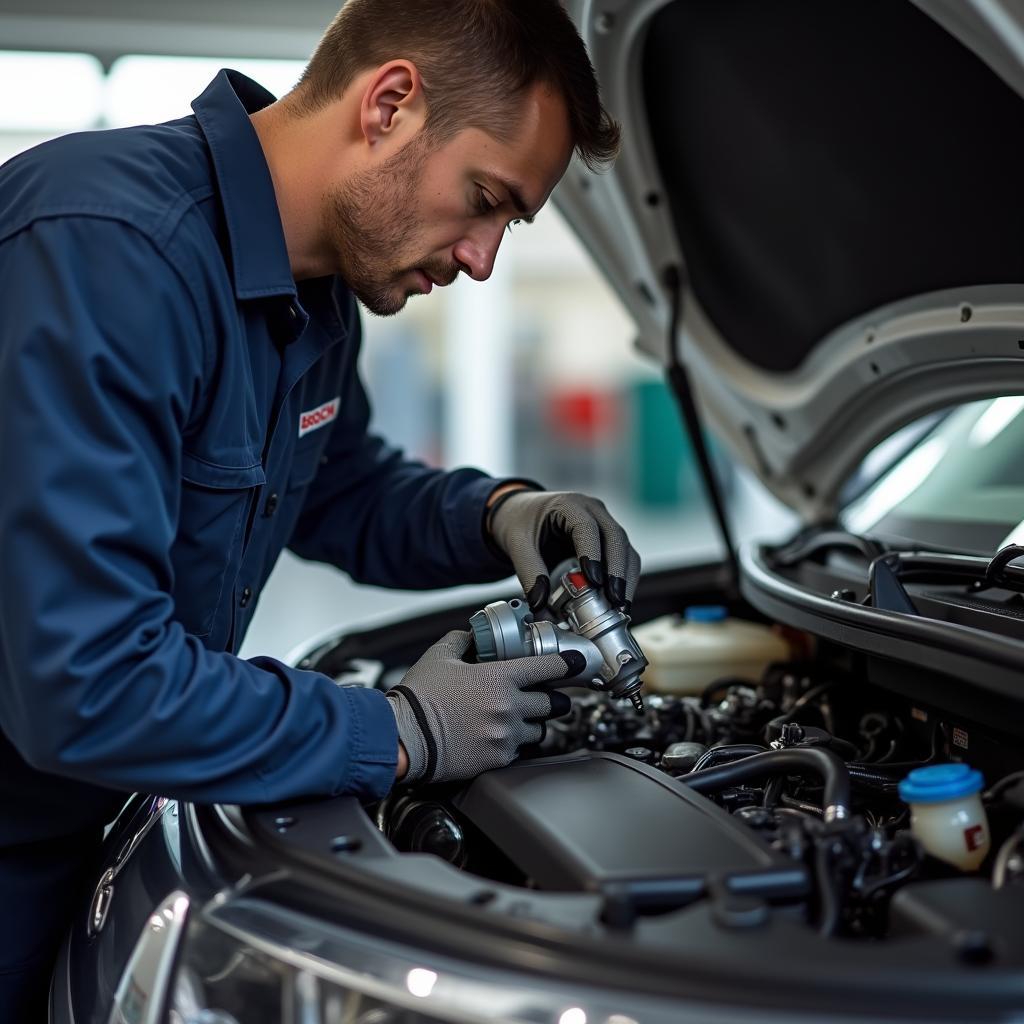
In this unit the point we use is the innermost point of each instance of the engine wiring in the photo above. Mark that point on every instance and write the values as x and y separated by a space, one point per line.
858 863
764 742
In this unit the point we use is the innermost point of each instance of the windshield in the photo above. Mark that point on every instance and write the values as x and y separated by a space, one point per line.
958 487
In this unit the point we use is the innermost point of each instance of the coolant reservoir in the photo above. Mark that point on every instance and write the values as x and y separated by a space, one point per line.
946 813
687 652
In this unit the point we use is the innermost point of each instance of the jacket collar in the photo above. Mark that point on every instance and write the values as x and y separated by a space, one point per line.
259 256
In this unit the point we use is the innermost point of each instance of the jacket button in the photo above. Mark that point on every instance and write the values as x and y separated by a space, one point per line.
246 597
271 505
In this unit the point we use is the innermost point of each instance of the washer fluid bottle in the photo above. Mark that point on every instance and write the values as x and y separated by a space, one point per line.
946 813
688 652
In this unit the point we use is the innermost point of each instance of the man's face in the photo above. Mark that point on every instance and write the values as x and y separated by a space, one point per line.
429 212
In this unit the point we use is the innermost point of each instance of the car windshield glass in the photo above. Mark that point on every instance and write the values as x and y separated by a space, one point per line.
958 485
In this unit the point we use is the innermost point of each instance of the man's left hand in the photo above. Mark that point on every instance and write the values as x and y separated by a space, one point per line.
525 522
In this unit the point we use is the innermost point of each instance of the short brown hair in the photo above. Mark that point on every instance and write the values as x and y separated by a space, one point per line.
474 57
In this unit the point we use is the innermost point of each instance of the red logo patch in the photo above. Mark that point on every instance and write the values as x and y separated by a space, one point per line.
318 417
974 836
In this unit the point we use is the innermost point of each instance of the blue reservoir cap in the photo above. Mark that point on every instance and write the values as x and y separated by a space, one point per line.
706 613
938 782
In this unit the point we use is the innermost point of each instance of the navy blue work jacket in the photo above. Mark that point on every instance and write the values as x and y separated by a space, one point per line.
174 411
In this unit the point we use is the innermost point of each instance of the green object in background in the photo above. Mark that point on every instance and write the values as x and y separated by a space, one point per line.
665 472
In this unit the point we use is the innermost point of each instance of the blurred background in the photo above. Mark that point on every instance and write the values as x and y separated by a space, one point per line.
532 373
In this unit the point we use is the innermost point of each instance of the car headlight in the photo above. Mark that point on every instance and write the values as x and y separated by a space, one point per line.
243 960
224 979
228 974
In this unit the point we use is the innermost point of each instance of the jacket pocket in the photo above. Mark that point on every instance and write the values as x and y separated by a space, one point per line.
305 463
215 501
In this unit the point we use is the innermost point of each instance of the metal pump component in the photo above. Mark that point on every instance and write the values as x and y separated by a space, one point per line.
583 621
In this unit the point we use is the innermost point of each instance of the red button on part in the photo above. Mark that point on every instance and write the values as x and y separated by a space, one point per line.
577 581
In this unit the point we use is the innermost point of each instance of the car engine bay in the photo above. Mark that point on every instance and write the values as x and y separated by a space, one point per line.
797 817
610 806
774 797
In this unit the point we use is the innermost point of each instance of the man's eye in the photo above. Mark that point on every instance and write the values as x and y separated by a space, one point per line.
483 204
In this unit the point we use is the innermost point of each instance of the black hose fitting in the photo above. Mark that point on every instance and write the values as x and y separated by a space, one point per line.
878 781
799 760
724 754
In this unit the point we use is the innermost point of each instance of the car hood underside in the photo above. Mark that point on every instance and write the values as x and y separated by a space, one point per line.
817 210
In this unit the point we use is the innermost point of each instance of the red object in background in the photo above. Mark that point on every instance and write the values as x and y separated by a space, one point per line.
584 417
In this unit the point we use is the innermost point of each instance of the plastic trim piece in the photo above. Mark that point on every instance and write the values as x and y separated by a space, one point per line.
987 661
532 812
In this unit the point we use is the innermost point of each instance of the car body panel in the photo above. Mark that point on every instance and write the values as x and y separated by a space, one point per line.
802 429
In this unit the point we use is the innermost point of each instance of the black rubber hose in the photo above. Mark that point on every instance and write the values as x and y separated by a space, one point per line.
725 754
813 737
878 781
839 746
798 760
801 806
830 902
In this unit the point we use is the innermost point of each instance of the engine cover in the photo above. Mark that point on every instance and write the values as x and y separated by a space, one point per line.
599 821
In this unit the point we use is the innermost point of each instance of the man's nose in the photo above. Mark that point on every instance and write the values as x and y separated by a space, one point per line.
477 251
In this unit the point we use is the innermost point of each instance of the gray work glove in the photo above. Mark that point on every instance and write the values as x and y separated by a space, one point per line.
540 528
457 719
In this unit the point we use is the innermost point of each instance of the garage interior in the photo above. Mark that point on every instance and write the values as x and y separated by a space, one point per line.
539 405
789 783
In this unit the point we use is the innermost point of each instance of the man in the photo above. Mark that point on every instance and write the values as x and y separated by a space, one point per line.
179 400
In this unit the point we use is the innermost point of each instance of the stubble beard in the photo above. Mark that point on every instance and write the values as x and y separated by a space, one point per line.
372 222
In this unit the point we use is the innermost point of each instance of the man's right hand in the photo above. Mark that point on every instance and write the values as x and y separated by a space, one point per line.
457 719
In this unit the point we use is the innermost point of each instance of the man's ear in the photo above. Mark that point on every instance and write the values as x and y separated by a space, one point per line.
393 107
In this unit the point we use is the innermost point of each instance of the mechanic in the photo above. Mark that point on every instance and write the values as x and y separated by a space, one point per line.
179 401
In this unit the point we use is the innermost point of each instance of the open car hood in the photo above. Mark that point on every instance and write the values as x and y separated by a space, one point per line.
837 187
